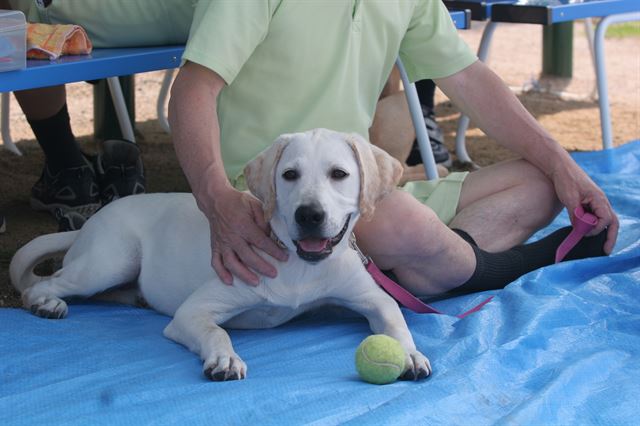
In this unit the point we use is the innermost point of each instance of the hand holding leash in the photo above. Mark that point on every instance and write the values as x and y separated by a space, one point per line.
584 223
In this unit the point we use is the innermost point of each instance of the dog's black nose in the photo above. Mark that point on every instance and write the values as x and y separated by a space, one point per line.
309 216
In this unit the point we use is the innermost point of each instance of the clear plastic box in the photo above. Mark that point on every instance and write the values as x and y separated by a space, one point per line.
13 40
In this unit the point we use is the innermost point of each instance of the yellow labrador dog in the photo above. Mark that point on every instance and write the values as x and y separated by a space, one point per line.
313 185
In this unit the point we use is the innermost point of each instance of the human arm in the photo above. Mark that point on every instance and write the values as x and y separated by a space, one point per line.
236 219
489 103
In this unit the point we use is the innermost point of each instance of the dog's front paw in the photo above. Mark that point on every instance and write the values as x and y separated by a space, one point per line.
418 367
225 367
44 306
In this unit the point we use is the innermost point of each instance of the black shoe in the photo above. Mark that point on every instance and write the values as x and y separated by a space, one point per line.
68 221
71 190
436 137
120 171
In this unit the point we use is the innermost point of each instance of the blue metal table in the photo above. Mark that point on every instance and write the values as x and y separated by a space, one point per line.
548 12
101 63
480 9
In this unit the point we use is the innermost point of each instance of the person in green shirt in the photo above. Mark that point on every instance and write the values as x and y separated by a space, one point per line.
254 70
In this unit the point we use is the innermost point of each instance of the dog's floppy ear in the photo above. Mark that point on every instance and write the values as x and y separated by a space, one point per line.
259 174
379 173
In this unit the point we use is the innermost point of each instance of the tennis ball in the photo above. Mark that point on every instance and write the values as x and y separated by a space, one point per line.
380 359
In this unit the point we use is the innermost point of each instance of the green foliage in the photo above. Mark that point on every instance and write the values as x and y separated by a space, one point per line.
626 29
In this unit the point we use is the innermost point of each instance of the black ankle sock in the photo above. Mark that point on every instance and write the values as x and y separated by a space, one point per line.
496 270
57 141
465 236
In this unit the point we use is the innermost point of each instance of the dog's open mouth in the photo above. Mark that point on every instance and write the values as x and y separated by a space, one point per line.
316 249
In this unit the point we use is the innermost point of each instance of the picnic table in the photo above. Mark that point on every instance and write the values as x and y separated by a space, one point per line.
549 12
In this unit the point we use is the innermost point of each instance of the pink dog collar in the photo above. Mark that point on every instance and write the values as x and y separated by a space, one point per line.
584 223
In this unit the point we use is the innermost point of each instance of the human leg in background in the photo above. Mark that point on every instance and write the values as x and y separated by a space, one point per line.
392 130
500 207
68 181
74 185
426 93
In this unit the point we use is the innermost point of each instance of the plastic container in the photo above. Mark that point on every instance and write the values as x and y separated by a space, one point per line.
13 40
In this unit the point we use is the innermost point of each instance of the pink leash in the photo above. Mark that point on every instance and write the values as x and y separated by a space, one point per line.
585 222
401 295
407 299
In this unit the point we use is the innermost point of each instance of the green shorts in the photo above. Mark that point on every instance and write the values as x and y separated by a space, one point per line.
118 23
442 195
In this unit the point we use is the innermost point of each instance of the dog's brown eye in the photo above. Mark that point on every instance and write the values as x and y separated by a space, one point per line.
290 175
338 174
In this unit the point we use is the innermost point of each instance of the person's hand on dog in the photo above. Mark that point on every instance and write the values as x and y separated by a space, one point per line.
237 228
575 188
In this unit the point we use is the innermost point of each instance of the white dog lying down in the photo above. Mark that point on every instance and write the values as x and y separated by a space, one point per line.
313 186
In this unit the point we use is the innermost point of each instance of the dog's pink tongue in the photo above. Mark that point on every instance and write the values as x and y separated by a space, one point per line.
313 245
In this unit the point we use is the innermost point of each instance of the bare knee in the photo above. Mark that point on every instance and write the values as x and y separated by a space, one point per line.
539 189
400 225
503 205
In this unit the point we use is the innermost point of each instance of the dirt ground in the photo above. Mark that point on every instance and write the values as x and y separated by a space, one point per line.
566 108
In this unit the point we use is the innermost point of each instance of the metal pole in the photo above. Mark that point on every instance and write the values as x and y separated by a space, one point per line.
418 123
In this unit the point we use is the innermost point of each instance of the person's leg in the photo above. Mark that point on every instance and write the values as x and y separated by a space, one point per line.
429 258
46 112
408 238
426 94
504 204
68 181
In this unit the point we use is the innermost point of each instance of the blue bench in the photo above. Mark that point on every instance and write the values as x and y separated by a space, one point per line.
548 12
101 63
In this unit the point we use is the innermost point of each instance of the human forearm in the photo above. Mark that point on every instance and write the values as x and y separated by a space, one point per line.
489 103
236 219
196 132
480 94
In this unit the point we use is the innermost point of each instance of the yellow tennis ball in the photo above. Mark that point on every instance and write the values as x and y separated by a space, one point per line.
380 359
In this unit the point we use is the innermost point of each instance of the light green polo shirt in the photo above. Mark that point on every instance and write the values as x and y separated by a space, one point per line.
295 65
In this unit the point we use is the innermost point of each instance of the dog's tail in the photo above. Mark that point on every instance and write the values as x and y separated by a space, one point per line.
34 252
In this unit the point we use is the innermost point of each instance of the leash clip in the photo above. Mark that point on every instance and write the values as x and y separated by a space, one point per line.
352 243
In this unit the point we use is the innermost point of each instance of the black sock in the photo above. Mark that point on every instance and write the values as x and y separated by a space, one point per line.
56 139
465 236
426 90
496 270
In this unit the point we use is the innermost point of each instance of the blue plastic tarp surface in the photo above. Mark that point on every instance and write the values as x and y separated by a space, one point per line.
560 345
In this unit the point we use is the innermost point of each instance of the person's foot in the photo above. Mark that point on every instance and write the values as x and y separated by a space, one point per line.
436 137
73 189
120 170
68 221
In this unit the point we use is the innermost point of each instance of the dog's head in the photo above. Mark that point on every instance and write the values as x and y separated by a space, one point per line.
314 186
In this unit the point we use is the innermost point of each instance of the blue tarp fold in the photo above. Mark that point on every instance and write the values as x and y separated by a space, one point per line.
560 345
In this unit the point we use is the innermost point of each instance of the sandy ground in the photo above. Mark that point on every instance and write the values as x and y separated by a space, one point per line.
566 108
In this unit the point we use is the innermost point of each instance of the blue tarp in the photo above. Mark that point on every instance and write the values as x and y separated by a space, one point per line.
560 345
